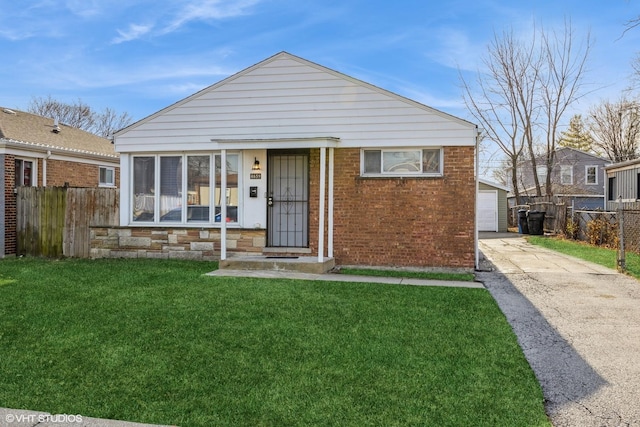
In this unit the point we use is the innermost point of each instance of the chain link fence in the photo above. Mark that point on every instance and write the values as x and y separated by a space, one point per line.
619 229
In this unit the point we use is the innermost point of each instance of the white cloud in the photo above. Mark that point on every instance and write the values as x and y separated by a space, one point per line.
134 31
205 10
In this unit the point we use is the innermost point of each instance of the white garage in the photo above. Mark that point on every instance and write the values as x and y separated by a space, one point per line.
492 207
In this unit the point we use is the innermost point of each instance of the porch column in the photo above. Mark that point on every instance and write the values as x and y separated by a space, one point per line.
223 204
323 165
330 231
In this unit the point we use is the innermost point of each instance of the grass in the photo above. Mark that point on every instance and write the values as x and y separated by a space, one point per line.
158 342
602 256
428 275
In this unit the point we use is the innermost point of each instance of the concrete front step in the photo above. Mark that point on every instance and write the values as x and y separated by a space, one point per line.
301 264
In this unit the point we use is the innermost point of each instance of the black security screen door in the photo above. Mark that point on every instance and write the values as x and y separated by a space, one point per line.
288 202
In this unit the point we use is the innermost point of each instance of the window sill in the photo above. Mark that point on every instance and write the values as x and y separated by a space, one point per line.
365 177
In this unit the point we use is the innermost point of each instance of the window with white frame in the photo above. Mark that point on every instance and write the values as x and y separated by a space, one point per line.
541 171
566 174
181 188
401 162
591 175
107 177
25 173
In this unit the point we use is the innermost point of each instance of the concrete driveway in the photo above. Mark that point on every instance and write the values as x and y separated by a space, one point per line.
578 325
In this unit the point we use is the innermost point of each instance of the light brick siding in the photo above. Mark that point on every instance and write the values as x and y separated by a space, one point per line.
418 222
171 243
60 172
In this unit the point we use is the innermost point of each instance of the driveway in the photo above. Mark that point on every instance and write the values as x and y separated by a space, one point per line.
579 327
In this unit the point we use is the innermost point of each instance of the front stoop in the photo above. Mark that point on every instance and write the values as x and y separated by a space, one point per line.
304 264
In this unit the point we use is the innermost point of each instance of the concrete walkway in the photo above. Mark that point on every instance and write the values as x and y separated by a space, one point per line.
579 327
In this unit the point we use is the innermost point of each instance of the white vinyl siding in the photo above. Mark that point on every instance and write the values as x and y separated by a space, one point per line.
287 97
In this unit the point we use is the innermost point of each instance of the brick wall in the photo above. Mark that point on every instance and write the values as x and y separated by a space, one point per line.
171 243
60 172
10 223
417 222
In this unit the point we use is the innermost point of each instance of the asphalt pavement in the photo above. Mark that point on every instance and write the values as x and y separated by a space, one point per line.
578 324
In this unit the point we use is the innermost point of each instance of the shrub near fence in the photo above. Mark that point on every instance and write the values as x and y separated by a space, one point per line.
631 225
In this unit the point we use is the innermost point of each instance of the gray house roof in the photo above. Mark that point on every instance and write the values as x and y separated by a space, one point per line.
22 130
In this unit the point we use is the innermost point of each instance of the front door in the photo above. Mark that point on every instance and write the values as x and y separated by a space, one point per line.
288 199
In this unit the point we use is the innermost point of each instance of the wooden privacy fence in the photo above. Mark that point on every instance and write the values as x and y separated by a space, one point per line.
56 221
555 208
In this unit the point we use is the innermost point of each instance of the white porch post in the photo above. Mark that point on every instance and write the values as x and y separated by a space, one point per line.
323 160
223 205
330 225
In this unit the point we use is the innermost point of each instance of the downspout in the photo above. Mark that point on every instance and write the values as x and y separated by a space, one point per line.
44 168
475 213
321 218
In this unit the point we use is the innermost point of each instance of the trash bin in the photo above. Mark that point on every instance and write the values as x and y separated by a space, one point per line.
523 226
536 222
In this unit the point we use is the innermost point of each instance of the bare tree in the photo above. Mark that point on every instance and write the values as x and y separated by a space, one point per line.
80 115
616 129
526 90
560 84
502 100
109 121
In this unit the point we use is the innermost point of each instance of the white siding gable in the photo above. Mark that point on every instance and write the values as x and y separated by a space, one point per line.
286 97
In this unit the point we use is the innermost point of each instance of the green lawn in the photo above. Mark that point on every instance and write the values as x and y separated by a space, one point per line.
597 255
158 342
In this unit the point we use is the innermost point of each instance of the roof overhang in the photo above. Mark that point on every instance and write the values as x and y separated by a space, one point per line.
12 146
278 143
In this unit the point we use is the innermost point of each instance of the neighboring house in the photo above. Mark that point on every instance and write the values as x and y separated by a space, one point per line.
37 151
298 159
492 207
576 174
623 182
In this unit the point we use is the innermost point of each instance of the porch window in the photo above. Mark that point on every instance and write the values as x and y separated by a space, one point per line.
401 162
185 194
591 175
144 169
231 194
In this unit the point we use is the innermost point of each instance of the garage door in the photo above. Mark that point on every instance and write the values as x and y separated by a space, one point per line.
487 211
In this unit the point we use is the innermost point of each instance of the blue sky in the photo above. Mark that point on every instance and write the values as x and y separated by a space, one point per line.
141 56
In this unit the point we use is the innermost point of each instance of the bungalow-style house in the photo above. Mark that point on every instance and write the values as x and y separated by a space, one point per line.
575 174
623 184
39 151
288 158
